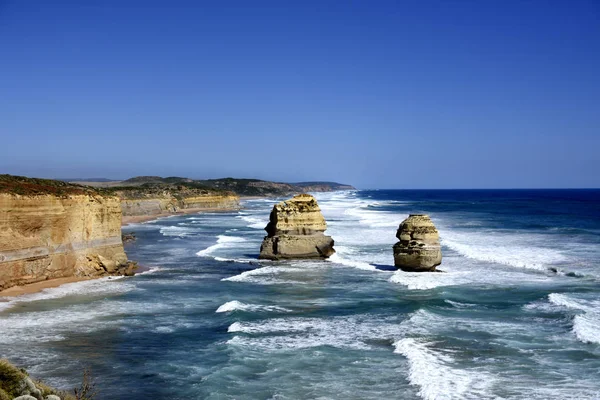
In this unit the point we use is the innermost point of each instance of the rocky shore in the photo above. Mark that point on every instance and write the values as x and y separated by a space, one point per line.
16 384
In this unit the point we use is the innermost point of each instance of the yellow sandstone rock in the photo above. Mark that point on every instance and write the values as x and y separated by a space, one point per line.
419 246
295 230
50 236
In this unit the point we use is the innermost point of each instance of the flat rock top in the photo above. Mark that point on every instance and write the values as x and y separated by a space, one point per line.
417 221
419 226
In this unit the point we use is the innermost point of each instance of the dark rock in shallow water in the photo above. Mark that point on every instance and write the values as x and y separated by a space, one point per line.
128 237
295 230
419 246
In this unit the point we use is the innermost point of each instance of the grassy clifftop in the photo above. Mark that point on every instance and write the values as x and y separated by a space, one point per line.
33 186
242 187
15 382
144 186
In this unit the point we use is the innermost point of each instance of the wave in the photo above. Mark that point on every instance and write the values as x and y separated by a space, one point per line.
100 286
178 231
222 242
432 371
238 260
430 280
519 251
253 222
586 325
235 305
337 259
354 332
264 275
375 219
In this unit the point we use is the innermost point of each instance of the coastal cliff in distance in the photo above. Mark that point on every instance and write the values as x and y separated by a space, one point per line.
51 229
240 187
158 198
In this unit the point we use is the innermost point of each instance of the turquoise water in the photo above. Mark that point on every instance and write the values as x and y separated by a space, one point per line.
516 314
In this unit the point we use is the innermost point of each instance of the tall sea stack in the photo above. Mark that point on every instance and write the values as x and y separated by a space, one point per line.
419 246
296 230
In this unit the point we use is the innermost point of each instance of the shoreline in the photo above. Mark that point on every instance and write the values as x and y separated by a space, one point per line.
137 219
30 288
35 287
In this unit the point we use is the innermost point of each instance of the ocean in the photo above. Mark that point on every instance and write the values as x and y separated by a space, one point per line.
514 315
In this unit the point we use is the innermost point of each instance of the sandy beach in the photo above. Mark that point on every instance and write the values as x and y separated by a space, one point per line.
136 219
39 286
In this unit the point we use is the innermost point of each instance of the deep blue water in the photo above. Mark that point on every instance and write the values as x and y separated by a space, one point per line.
516 314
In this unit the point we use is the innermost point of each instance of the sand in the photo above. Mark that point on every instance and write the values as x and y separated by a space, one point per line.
136 219
39 286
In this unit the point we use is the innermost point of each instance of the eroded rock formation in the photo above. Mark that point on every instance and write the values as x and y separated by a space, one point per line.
144 201
419 246
296 230
49 229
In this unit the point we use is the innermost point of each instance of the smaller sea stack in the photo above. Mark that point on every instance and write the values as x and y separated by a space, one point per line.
419 246
296 230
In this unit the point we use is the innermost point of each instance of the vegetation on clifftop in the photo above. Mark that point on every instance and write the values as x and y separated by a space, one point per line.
24 186
15 382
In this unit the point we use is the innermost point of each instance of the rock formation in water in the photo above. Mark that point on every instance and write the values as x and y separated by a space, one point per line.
419 246
51 229
295 230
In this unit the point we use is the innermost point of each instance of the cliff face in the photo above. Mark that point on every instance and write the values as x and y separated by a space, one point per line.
142 201
296 230
45 236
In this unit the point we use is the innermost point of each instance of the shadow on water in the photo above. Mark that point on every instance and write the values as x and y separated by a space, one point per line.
383 267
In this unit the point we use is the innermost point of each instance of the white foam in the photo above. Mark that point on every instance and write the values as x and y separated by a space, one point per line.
375 219
515 250
100 286
264 276
337 259
178 231
235 305
222 242
354 332
149 271
586 325
458 304
433 372
254 222
236 260
429 280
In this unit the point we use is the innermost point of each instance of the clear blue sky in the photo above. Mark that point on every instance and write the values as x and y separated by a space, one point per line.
398 94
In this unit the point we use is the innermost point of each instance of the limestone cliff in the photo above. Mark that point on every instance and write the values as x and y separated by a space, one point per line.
296 230
50 229
419 246
154 201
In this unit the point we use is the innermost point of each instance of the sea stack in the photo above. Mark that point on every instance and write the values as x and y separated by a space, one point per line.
296 230
419 246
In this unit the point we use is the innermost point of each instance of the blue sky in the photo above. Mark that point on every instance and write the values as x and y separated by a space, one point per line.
380 94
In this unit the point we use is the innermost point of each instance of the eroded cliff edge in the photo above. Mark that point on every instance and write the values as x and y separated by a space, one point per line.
159 199
51 229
